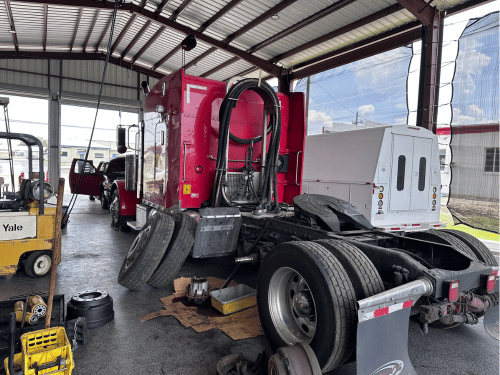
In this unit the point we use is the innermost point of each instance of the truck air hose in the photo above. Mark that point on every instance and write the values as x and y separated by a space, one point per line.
270 99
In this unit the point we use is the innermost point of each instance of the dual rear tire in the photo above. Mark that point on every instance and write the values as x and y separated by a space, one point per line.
307 292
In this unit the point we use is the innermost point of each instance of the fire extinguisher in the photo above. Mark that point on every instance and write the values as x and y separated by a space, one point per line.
47 176
21 178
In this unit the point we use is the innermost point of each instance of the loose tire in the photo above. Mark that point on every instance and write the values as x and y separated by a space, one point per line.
116 222
177 251
38 264
104 201
305 295
480 249
146 251
364 277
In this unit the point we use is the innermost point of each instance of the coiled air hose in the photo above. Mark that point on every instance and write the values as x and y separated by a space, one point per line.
270 188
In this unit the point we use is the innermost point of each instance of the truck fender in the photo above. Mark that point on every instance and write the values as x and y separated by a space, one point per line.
382 335
128 199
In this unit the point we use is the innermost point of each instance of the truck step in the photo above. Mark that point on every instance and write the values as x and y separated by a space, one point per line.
134 225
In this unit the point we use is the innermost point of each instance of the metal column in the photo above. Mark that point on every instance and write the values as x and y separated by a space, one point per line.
430 71
54 151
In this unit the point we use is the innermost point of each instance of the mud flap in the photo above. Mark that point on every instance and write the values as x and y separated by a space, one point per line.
491 321
382 336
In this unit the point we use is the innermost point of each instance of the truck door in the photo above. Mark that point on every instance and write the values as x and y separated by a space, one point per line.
91 179
420 176
402 156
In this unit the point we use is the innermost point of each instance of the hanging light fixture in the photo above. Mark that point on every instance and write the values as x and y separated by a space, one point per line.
275 17
12 30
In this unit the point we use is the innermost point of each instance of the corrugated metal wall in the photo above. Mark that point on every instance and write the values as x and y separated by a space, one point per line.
77 81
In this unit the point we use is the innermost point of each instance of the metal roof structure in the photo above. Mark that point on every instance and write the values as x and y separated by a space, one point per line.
295 38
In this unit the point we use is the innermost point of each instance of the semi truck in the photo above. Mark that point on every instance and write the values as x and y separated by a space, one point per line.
220 172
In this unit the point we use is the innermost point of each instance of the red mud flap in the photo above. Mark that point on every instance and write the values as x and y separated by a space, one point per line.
382 339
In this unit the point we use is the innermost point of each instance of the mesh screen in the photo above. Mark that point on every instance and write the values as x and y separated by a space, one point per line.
474 188
365 93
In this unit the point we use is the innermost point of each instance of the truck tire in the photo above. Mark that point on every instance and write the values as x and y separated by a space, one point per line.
104 201
146 251
444 238
178 250
38 264
305 295
116 222
480 249
364 277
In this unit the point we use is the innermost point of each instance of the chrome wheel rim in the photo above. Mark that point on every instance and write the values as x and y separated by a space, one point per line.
291 306
42 265
115 208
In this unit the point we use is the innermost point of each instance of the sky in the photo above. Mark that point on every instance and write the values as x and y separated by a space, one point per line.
30 116
375 87
377 95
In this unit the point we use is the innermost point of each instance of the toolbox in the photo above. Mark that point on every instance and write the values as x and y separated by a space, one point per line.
233 299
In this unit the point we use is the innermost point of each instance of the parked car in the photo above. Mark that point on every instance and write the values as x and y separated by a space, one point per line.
96 182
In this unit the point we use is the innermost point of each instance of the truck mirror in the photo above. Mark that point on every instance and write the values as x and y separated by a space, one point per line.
121 135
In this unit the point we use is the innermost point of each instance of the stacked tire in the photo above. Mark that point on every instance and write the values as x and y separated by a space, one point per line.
308 291
158 251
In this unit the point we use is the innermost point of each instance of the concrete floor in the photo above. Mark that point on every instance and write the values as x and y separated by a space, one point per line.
92 256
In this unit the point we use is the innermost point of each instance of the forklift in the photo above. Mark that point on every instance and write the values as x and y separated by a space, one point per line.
26 224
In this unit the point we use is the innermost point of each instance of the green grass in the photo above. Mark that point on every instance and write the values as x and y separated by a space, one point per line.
481 234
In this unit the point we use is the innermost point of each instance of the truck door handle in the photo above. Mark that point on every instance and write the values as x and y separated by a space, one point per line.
297 169
184 163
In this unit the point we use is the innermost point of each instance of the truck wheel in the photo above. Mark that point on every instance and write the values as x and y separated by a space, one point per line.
38 264
444 238
480 249
364 277
104 201
178 250
146 251
305 295
114 208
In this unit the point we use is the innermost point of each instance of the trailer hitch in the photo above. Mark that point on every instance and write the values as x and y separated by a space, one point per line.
382 336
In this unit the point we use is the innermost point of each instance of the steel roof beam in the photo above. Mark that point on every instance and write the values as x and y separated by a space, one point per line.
12 26
160 8
148 44
167 22
136 38
343 30
299 25
333 34
104 33
123 32
201 29
91 30
76 30
384 42
45 19
422 10
80 56
263 17
179 10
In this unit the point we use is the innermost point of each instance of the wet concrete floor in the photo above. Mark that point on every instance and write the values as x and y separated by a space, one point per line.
92 255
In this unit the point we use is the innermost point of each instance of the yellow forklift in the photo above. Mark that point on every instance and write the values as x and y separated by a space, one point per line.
27 226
